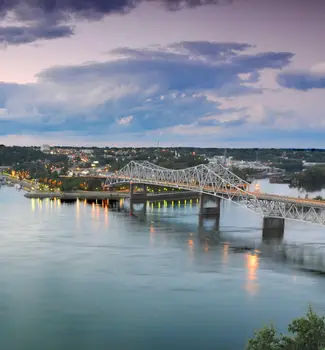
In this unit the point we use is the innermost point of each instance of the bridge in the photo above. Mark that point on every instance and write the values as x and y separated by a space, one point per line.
213 180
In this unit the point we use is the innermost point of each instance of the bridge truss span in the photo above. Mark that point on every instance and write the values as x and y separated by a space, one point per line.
216 180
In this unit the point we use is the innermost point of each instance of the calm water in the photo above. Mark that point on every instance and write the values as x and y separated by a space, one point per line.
83 277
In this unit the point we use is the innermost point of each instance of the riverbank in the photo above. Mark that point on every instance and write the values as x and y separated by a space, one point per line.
26 185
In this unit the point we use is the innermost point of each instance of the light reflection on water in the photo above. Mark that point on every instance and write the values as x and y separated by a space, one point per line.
252 262
89 277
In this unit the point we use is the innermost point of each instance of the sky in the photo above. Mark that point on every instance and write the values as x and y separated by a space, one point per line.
207 73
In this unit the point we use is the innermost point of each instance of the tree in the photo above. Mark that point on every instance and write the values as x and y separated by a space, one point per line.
305 333
71 184
308 331
312 179
265 339
94 185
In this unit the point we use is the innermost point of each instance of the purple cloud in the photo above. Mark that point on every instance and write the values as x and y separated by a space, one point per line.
302 80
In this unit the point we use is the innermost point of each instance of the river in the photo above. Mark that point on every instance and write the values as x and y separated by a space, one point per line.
80 276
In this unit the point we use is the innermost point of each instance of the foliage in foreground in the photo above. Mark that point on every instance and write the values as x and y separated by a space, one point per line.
305 333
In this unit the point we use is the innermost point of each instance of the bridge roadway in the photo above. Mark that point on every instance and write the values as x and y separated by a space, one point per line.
274 197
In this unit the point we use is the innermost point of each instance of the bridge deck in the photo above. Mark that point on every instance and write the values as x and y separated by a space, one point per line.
216 180
287 199
236 192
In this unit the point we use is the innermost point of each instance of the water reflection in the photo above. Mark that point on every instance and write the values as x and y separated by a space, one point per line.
252 263
106 221
153 277
225 254
93 211
78 212
33 204
310 257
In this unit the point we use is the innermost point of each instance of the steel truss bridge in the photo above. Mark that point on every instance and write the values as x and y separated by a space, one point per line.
216 180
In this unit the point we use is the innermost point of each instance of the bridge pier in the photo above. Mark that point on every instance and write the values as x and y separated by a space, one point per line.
273 228
138 197
209 211
137 190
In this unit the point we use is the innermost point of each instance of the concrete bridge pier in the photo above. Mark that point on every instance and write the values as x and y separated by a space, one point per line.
209 205
137 190
209 209
273 228
138 199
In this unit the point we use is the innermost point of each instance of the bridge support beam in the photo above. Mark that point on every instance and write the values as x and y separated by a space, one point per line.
273 228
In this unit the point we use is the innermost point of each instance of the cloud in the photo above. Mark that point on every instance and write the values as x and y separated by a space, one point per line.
50 19
176 88
125 120
170 68
211 50
304 80
15 35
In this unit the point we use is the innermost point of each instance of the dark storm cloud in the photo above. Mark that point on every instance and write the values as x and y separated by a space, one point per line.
26 34
42 19
100 7
302 80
